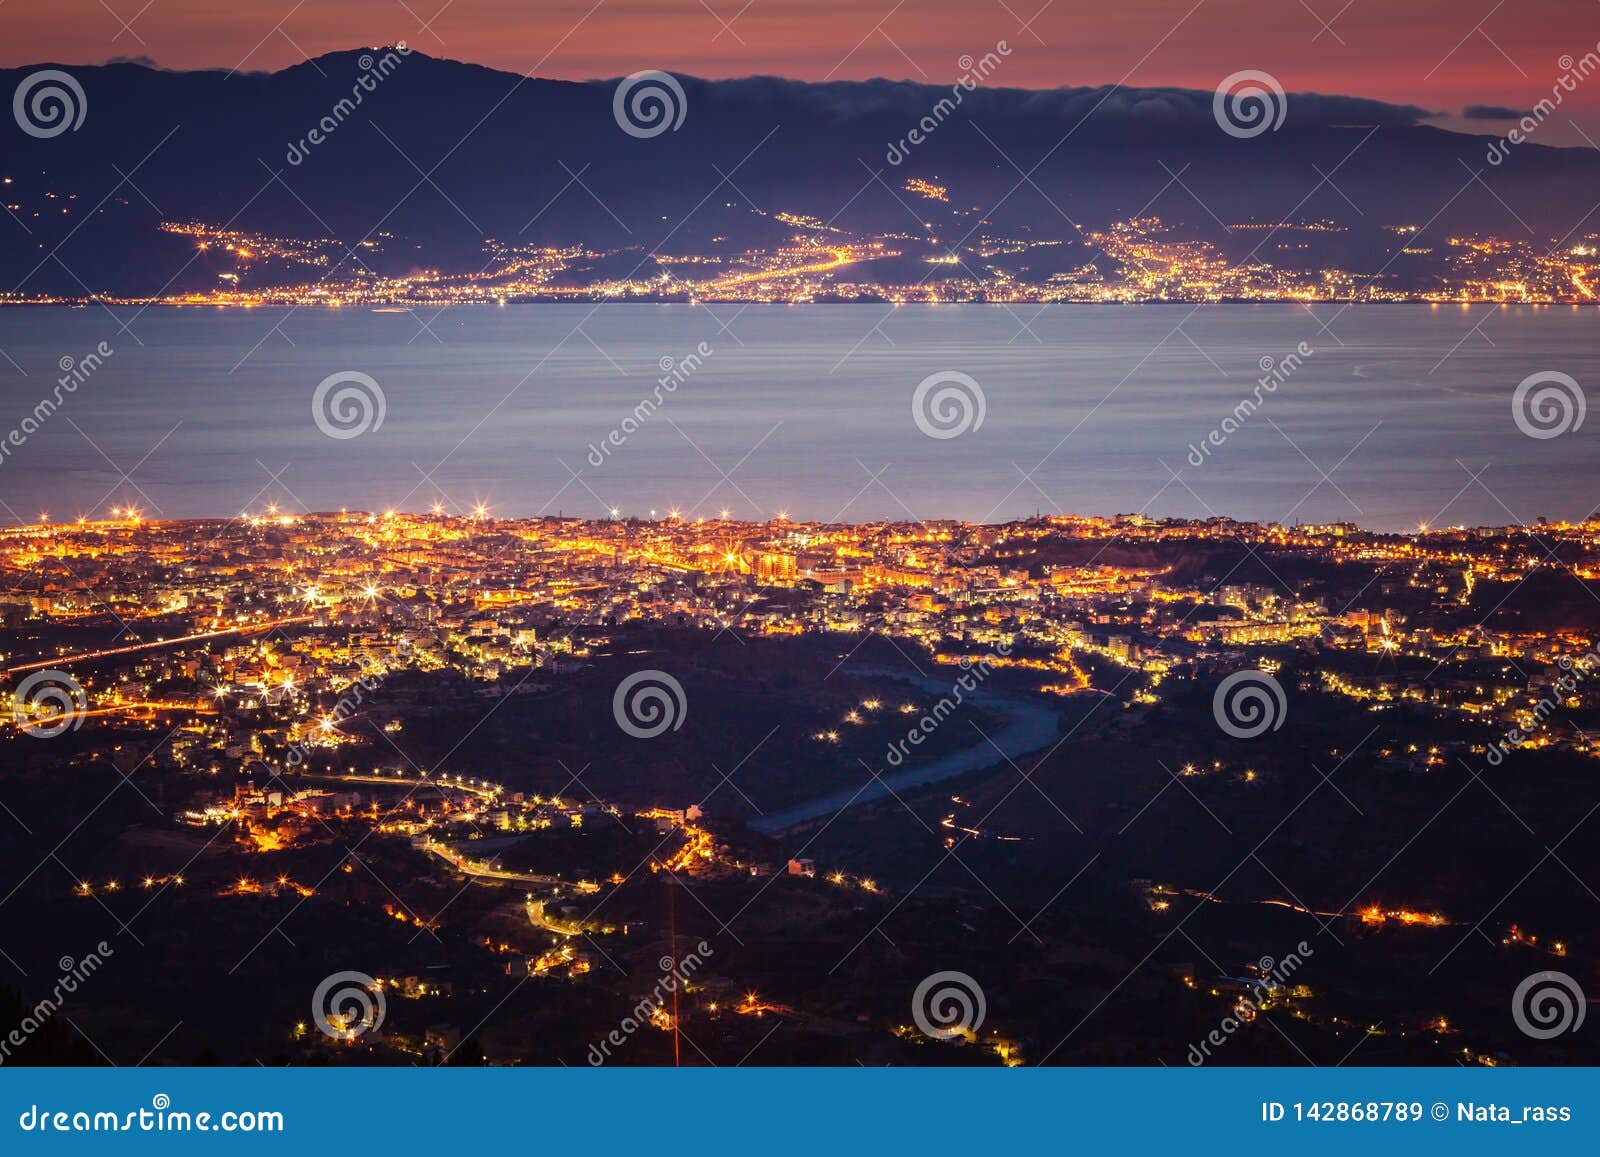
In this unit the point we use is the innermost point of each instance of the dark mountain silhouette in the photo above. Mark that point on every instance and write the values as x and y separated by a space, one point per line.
440 155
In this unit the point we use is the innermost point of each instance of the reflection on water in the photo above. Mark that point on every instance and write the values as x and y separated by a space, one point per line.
1386 417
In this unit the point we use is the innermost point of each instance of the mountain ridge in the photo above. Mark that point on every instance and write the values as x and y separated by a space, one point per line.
440 157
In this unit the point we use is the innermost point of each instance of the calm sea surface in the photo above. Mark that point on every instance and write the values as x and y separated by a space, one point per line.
807 410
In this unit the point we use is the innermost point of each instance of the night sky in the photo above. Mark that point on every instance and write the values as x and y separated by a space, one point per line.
1444 55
